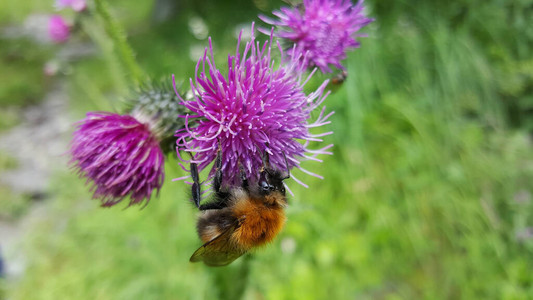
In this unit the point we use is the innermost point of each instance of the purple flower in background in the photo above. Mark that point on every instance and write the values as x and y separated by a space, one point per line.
120 155
58 29
324 30
76 5
257 106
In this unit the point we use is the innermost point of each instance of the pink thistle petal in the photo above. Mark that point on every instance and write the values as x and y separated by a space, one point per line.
324 30
119 156
256 104
76 5
58 30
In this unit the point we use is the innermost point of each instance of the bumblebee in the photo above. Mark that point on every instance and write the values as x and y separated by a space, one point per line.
239 218
339 79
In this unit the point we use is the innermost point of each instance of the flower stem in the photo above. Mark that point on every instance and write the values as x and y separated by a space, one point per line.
232 283
118 36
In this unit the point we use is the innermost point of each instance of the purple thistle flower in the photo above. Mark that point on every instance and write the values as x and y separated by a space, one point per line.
76 5
325 29
58 29
258 106
120 155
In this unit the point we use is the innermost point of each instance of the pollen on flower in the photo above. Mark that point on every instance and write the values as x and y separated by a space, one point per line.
119 156
324 30
256 107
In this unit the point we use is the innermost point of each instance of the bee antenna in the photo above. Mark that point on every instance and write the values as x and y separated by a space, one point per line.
286 166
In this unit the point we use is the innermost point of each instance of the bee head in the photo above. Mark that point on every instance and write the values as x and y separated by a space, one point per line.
271 180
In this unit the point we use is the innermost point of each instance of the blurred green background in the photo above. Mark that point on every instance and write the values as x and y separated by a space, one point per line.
427 195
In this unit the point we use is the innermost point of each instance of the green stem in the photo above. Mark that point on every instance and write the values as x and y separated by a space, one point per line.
232 282
93 28
118 36
244 272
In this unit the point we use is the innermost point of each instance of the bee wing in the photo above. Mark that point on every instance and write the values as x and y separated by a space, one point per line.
219 251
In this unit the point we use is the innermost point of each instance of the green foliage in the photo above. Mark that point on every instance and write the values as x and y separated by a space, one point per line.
17 11
9 116
7 162
115 32
21 65
500 29
12 205
420 200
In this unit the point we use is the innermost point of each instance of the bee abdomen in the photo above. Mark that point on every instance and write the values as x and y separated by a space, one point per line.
214 223
260 228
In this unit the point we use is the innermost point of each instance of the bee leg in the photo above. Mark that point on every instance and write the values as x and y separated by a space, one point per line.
221 197
220 201
213 205
244 180
217 180
196 193
265 158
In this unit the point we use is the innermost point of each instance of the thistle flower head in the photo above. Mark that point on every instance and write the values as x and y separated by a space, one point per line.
76 5
325 29
119 155
256 107
58 30
155 101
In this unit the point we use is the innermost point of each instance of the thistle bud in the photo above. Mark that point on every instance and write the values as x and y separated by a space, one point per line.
123 155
